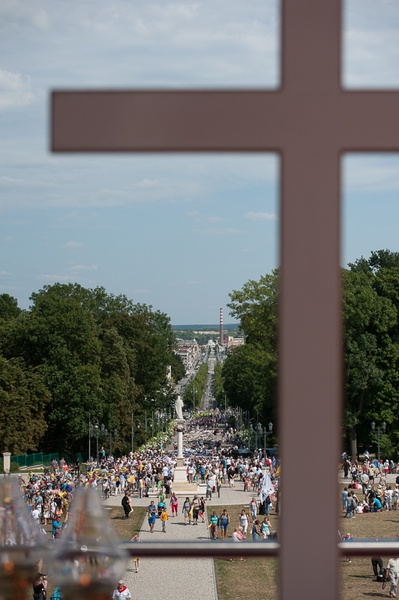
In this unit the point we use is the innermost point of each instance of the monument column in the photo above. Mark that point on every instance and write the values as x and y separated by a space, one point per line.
180 484
180 470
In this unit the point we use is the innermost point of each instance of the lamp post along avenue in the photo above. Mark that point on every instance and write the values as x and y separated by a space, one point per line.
382 429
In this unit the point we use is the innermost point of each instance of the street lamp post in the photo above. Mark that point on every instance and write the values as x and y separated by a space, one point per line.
90 435
96 433
382 429
270 426
112 437
132 434
251 429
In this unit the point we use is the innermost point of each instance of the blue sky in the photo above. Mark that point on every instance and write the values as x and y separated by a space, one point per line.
176 232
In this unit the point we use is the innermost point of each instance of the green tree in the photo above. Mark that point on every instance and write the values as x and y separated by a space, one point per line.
23 399
98 354
371 346
256 307
249 374
250 371
8 307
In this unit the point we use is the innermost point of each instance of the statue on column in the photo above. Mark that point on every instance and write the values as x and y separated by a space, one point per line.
179 407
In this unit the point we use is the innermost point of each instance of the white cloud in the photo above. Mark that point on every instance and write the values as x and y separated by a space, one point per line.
223 231
370 173
194 282
3 273
72 245
261 216
15 89
80 268
47 277
18 15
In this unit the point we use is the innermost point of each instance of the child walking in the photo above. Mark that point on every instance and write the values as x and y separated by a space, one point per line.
164 518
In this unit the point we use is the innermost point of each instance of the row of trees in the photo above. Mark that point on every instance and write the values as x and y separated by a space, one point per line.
78 352
371 350
195 389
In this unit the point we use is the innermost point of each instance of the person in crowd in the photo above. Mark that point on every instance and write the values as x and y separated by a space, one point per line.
186 511
152 515
174 503
243 522
256 531
39 587
127 507
253 509
136 559
164 518
266 528
195 507
224 522
393 572
214 525
378 565
201 512
122 591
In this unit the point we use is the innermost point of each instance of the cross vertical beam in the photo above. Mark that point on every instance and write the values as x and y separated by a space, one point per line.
310 381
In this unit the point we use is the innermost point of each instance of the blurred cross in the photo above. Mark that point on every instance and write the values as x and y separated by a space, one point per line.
310 121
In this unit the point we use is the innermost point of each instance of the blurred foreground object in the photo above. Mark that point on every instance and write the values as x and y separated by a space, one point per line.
22 545
87 560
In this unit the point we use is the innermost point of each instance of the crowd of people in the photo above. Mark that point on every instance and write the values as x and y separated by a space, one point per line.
369 491
49 495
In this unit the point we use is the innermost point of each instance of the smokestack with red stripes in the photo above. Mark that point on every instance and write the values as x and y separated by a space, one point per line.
221 326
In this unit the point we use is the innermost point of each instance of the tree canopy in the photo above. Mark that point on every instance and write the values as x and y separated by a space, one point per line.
371 350
78 353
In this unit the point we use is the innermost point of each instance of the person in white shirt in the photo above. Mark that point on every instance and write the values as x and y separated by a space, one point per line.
121 592
36 514
393 570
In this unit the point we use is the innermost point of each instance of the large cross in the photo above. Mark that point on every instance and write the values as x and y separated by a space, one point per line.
310 121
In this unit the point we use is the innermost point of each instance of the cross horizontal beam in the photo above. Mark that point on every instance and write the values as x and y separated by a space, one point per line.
230 121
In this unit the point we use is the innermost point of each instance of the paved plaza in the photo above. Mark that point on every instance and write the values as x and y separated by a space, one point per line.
178 578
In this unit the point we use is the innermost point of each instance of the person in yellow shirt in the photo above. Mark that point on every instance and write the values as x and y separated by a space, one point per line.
164 518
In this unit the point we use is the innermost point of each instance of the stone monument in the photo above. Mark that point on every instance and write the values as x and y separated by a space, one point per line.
180 484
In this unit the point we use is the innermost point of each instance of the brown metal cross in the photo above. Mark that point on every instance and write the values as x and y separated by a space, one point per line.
310 121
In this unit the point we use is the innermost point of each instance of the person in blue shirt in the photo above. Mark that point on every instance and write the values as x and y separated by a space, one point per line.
152 515
376 505
56 529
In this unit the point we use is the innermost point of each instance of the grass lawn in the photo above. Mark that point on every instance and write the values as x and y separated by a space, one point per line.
126 528
256 578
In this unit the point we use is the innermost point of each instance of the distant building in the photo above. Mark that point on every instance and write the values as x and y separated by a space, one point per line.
189 351
234 342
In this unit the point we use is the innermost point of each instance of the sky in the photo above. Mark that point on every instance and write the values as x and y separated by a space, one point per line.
175 232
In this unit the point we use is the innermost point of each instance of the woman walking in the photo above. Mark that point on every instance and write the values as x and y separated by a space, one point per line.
256 531
224 522
174 504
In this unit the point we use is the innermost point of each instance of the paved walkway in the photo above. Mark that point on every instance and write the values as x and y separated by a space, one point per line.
179 579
